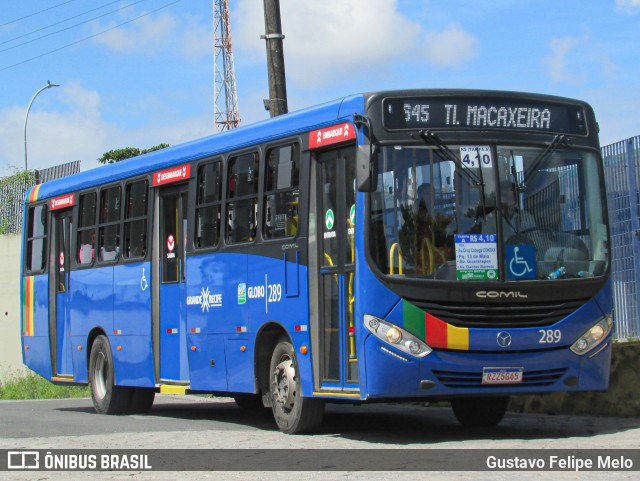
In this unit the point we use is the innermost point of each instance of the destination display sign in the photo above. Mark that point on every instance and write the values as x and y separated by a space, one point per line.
478 113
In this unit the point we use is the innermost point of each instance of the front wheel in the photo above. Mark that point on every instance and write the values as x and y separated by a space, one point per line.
107 397
481 411
294 414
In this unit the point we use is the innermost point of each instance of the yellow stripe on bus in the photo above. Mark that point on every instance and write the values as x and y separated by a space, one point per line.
170 389
336 394
457 337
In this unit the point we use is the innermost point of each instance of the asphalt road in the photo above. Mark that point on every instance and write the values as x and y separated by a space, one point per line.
190 422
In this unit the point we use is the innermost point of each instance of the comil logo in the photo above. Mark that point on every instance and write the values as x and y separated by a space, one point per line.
23 460
501 295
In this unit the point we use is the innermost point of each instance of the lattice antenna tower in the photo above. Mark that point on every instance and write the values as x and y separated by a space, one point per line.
226 116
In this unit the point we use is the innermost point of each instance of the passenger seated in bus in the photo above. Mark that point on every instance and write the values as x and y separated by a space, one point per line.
86 254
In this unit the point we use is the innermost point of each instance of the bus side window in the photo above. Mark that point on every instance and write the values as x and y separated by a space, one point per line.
242 198
87 228
36 239
109 229
208 204
135 220
281 192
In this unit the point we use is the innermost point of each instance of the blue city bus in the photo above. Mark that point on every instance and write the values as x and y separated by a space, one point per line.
398 245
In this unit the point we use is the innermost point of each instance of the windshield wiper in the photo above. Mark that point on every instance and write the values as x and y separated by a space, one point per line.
517 188
559 140
431 138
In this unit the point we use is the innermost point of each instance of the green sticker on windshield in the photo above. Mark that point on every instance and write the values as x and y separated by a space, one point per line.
329 219
476 257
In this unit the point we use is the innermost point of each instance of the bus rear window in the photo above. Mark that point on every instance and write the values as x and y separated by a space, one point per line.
36 239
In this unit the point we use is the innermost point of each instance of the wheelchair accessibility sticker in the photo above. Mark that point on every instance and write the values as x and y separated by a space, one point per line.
521 261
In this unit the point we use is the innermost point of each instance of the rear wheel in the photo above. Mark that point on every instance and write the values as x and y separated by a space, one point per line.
107 397
481 411
294 414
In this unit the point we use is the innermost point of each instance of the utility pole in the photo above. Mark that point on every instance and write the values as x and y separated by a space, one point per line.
226 116
277 103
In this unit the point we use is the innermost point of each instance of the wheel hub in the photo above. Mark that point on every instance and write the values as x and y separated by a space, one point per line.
284 385
100 376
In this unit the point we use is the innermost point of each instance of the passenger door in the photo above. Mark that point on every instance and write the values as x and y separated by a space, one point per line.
172 292
335 237
59 314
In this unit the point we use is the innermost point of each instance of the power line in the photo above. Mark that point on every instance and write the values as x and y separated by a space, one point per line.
63 21
36 13
87 38
66 28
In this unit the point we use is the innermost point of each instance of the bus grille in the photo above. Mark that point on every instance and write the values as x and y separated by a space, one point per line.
500 315
457 379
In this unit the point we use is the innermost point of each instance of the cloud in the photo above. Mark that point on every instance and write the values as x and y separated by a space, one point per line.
557 61
148 35
330 39
197 40
628 6
73 131
450 47
69 125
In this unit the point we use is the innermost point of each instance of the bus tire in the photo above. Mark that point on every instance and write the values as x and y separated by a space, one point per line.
480 411
294 414
107 397
141 400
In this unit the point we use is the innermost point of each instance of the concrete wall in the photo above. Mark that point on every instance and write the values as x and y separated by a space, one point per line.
10 349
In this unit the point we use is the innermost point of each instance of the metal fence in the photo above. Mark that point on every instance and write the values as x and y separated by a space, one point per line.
622 173
13 188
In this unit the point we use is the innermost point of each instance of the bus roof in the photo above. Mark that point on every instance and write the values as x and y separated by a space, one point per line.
264 131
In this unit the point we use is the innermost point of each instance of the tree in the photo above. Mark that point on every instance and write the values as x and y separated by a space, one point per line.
117 155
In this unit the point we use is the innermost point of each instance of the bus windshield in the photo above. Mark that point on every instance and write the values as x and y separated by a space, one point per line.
488 212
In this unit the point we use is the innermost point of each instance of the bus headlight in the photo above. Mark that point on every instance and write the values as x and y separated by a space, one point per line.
594 336
396 336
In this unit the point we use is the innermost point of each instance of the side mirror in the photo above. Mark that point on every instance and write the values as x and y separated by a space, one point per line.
366 164
366 169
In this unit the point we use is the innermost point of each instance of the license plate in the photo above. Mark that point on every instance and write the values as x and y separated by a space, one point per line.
502 375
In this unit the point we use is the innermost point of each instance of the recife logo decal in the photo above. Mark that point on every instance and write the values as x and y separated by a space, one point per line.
205 300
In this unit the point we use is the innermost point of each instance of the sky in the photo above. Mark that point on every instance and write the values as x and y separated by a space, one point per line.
137 73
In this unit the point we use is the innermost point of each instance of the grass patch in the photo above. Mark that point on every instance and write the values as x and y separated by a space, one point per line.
32 386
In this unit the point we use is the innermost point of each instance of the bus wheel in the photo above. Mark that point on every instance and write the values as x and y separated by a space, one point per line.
107 397
294 414
480 411
142 400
